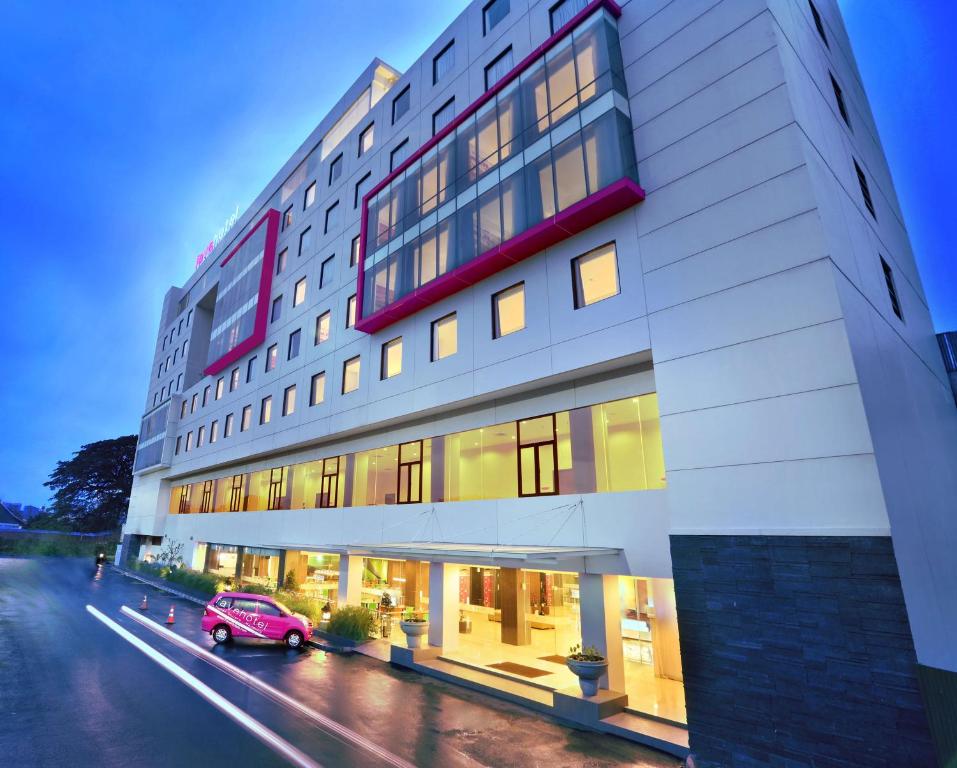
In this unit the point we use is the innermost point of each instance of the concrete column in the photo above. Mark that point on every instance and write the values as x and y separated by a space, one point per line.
664 630
350 579
444 606
239 566
601 624
514 599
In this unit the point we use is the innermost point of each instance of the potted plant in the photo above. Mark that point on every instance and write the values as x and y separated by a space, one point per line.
415 628
589 665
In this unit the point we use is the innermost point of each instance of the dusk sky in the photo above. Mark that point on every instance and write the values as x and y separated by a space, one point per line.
130 131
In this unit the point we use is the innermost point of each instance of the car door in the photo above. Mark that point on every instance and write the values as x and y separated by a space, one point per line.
272 621
245 615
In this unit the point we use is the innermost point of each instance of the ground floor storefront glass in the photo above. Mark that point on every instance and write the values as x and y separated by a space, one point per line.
260 567
391 588
221 560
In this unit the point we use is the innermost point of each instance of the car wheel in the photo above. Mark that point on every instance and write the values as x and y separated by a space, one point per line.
294 639
221 634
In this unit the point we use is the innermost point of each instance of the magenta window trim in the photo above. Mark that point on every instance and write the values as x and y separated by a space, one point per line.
508 252
258 336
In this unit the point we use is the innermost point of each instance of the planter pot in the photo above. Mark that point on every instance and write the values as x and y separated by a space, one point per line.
588 673
414 632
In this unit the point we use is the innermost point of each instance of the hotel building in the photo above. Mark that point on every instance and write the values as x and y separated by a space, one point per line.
598 325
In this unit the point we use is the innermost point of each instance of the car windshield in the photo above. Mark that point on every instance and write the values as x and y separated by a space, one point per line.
281 607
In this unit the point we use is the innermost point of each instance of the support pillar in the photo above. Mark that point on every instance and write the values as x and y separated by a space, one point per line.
514 598
350 580
601 624
444 605
239 566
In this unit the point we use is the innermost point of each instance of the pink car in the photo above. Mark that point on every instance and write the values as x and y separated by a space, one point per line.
239 614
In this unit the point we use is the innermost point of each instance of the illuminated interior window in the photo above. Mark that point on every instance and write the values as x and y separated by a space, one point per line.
392 358
214 431
323 326
289 400
228 426
265 410
508 311
354 253
351 311
350 375
299 294
234 379
317 388
366 139
220 384
595 276
445 337
247 418
272 357
310 195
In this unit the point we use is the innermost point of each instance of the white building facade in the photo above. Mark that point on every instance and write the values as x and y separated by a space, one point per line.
599 325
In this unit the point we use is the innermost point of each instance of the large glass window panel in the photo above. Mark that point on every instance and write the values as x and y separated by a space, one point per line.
490 220
539 190
487 132
562 86
535 102
513 205
510 120
569 172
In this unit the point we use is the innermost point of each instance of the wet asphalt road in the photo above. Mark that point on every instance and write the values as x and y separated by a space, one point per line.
73 692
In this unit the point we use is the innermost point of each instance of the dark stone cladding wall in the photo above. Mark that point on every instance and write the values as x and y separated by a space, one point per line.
797 653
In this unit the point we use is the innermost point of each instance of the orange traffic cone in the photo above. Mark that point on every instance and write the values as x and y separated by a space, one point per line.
170 619
144 606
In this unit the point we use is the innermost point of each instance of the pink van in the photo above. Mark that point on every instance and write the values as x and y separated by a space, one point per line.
239 614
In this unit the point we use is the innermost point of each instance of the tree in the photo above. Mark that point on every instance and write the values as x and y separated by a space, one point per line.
91 491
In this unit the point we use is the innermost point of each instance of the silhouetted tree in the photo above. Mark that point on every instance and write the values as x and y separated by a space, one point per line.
91 491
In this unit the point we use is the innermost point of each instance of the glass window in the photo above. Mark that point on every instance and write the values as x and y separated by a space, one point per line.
214 431
276 309
179 443
317 388
443 62
289 400
366 138
493 13
265 410
201 436
287 219
410 473
189 441
335 168
354 253
508 311
293 351
299 294
500 66
569 172
179 383
391 358
891 288
818 23
228 426
250 368
443 116
865 189
351 311
399 154
220 384
350 375
595 276
247 418
272 357
839 98
182 410
207 390
538 460
445 340
305 240
323 327
563 12
362 186
194 402
332 217
310 195
401 103
233 379
281 261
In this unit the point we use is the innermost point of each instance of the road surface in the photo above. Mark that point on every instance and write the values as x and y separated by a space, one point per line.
80 690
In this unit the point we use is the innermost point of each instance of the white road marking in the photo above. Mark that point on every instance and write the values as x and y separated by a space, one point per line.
330 725
257 729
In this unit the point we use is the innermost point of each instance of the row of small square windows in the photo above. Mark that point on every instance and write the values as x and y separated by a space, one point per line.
595 279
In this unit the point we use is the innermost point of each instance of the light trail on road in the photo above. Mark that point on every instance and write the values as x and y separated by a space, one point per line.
257 729
328 724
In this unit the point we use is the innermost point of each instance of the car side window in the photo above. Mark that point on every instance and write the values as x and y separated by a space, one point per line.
268 609
224 602
242 604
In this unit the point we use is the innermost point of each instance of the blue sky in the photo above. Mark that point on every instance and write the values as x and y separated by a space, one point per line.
130 131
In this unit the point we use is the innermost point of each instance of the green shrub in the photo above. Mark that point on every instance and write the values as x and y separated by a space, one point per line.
255 589
298 603
290 583
201 583
352 622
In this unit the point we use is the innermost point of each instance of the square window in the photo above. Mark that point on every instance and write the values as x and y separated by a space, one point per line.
508 311
443 62
276 309
265 410
362 186
220 385
213 431
247 418
493 13
305 240
335 168
287 219
500 66
234 379
401 103
272 357
332 217
228 426
289 401
250 368
399 155
366 139
891 289
281 261
293 351
323 326
443 116
310 196
351 311
445 337
317 388
325 272
299 293
391 358
595 276
354 253
350 375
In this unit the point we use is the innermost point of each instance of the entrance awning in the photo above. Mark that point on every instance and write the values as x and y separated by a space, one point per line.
510 556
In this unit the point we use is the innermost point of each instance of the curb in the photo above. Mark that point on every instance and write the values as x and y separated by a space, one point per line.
159 584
